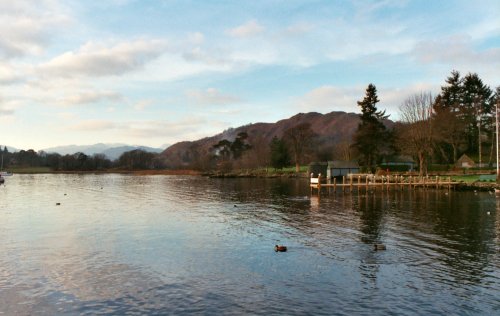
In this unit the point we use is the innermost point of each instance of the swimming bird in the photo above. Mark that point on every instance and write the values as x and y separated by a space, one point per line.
379 247
279 248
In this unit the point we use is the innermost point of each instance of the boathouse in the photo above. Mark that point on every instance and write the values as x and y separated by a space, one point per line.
399 163
465 162
338 168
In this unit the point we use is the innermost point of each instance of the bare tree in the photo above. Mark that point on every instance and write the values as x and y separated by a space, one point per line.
343 151
299 137
416 136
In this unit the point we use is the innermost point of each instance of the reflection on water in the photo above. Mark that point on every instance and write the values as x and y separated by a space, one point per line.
121 244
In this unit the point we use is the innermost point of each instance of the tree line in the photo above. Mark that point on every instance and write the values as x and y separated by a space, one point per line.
130 160
430 129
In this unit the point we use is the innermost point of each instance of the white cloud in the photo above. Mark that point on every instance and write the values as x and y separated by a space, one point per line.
391 98
90 97
5 111
142 104
8 106
196 38
171 131
96 60
93 126
455 50
249 29
298 29
330 98
27 28
9 74
211 96
213 57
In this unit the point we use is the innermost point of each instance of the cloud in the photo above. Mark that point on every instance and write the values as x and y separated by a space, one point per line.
170 131
298 29
330 98
93 126
142 104
9 74
6 111
211 96
91 97
249 29
139 129
8 106
196 38
96 60
391 98
455 50
26 29
213 57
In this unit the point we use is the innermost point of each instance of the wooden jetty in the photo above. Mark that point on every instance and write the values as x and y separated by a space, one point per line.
368 182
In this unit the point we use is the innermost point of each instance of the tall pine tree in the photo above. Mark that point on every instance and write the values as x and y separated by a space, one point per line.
463 110
371 135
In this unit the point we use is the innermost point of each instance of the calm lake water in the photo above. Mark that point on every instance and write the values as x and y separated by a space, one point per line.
120 244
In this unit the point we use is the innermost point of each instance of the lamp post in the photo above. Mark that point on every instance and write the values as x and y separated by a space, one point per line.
496 130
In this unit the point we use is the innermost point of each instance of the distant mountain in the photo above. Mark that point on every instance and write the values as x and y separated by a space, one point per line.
10 149
112 151
115 152
331 128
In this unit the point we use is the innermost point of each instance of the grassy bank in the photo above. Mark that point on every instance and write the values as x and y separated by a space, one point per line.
29 170
472 178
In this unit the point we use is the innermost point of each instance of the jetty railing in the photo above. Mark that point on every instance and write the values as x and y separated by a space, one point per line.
368 182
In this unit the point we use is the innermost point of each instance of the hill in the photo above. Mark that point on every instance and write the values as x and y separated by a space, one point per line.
331 128
112 151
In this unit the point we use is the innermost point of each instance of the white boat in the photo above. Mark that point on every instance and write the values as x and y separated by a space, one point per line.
3 173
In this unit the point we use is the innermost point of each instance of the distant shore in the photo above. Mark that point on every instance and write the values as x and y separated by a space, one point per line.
467 184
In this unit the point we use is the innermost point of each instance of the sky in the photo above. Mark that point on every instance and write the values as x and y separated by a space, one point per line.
153 73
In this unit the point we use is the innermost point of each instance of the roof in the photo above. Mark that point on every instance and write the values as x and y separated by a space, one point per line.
343 164
400 158
464 157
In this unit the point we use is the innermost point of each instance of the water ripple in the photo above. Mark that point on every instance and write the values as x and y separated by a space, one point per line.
156 245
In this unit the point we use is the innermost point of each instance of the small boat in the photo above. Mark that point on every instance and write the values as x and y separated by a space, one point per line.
4 173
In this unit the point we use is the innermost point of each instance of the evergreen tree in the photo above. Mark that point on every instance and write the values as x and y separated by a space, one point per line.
463 111
371 135
239 146
451 94
476 98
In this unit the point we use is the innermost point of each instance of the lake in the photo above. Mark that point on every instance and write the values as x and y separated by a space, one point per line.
123 244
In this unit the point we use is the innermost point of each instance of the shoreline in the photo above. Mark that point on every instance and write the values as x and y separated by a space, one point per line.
464 186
